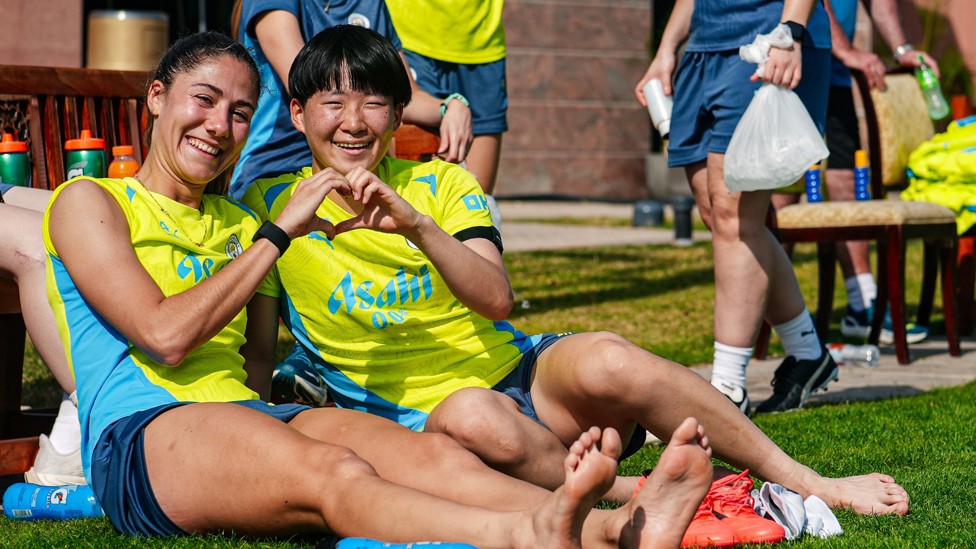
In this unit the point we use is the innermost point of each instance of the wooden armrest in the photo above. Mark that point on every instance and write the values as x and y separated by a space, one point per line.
415 143
17 455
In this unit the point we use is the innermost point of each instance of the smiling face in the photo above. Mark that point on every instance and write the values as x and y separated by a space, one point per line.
202 119
346 129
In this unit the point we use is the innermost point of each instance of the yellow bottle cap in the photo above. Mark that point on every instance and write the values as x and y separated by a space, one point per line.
861 159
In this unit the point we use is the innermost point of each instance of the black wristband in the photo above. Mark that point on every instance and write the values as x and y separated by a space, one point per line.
796 29
275 234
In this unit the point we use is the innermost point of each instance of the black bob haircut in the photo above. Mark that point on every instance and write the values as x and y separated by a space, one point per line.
349 55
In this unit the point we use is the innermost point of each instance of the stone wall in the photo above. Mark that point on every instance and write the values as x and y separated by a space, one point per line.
575 127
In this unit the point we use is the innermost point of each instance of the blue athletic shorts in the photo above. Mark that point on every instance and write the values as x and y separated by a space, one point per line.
712 91
518 382
121 482
5 187
483 85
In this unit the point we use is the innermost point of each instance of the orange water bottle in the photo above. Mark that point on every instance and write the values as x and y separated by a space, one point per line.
123 164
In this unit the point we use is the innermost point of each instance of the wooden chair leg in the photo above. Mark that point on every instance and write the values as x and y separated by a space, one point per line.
827 275
966 275
881 300
949 300
896 283
930 270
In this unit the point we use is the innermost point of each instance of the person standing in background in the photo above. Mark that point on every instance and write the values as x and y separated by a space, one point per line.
754 278
843 139
274 31
456 50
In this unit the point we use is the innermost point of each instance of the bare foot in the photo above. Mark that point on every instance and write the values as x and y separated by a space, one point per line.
591 467
873 494
665 505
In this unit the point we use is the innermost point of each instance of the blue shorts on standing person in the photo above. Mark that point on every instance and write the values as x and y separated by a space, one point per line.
4 188
118 470
711 92
483 85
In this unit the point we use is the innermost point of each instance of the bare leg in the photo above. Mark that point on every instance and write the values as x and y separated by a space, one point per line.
429 464
286 482
482 159
28 198
602 379
22 258
751 270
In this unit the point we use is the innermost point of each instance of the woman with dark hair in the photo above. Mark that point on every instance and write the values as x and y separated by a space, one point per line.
174 441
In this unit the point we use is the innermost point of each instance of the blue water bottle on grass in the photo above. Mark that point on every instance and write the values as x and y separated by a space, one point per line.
23 501
364 543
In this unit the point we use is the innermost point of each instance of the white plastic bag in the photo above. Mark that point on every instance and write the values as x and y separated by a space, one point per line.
775 141
774 144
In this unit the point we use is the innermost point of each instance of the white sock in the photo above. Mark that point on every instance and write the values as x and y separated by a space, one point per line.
854 298
869 288
729 364
799 337
496 214
66 433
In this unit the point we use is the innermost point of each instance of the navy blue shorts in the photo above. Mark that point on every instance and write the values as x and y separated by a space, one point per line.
121 482
483 85
518 382
843 137
712 90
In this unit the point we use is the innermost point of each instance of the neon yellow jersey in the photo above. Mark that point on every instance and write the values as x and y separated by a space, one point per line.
458 31
115 379
371 310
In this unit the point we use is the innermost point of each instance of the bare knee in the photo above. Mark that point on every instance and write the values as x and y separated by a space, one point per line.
333 474
619 369
484 422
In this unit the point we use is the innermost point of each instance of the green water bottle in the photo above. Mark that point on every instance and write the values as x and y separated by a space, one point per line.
86 156
931 90
14 162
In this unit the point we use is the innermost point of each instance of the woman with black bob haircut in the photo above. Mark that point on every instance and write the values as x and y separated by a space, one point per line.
355 60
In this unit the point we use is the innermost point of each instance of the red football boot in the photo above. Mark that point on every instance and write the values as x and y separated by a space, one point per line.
733 504
706 530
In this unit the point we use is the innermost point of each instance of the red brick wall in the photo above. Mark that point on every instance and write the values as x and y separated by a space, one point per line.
41 32
575 127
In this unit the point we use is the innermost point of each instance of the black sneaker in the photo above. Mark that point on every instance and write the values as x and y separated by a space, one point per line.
795 380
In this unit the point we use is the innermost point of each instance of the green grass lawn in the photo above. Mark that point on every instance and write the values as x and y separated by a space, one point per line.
661 298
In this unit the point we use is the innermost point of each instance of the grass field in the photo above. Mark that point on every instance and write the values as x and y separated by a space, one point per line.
661 298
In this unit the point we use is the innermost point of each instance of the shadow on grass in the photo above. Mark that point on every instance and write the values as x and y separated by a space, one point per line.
601 275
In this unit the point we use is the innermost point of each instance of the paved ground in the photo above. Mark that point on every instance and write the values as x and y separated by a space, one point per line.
931 364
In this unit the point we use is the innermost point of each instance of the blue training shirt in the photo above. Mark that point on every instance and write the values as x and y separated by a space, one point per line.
722 25
846 13
274 146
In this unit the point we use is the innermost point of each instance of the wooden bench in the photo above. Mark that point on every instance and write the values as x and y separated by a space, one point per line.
44 107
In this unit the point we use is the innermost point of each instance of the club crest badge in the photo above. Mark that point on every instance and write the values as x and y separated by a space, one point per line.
233 247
